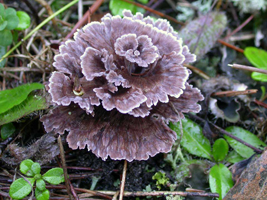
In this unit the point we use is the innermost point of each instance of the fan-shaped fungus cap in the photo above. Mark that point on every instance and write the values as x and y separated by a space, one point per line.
118 84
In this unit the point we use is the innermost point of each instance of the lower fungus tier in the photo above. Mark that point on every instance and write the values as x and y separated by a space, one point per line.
122 136
110 133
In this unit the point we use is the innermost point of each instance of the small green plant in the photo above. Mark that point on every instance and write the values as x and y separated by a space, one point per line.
193 141
161 179
22 187
10 21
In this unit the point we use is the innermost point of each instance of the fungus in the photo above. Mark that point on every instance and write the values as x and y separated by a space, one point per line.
119 83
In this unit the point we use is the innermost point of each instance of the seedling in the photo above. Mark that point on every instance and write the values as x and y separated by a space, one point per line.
22 187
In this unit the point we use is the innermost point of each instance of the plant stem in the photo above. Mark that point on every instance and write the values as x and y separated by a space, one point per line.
38 27
248 68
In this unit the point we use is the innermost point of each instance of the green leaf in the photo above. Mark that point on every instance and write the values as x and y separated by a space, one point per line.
211 26
259 76
12 97
2 53
36 168
24 21
7 130
40 184
2 24
234 157
220 149
257 57
41 195
31 104
244 135
11 18
21 188
193 139
2 10
25 167
54 176
220 180
117 6
10 12
5 37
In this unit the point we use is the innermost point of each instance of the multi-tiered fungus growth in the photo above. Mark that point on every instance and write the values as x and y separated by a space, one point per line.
119 83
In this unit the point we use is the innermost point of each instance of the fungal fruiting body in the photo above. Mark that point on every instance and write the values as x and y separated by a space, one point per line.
117 86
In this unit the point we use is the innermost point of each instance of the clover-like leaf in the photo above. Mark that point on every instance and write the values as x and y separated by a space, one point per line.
36 168
2 10
24 20
42 195
2 53
5 37
193 139
54 176
3 24
245 135
20 188
220 149
40 184
220 180
11 18
26 167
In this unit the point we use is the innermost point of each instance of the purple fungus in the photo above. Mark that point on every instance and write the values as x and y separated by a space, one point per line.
117 86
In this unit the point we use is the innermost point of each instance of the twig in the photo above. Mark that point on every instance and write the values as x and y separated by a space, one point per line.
164 193
242 37
61 21
234 93
137 193
94 193
62 156
155 12
84 19
239 27
248 68
197 71
49 11
20 69
123 180
230 46
116 195
259 151
260 103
